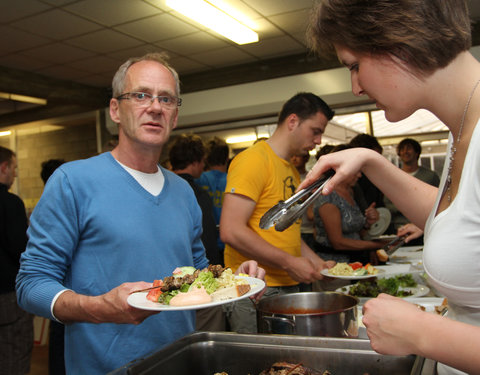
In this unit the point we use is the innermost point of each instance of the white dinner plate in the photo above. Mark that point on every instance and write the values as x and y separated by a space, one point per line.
140 301
325 272
429 303
381 225
417 291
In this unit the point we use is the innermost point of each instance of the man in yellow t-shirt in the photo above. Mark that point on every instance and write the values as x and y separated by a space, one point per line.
258 178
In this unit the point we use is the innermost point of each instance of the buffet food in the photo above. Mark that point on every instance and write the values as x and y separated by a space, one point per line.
353 269
190 286
391 285
286 368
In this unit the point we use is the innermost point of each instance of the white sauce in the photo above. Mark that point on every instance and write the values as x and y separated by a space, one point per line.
195 296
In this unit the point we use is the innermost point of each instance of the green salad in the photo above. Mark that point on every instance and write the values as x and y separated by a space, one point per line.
205 279
390 285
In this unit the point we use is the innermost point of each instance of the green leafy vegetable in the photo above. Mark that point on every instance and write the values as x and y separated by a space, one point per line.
206 280
391 285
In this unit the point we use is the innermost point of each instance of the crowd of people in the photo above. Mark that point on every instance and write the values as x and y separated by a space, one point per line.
111 224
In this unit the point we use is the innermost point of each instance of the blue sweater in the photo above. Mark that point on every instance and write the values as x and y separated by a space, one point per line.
95 228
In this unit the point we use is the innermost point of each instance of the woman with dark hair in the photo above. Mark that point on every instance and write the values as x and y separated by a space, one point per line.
409 55
340 224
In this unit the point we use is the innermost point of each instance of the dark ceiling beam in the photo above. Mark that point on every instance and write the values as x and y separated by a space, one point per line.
257 71
44 113
61 96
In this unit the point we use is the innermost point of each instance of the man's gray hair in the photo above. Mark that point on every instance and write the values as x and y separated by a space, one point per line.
118 83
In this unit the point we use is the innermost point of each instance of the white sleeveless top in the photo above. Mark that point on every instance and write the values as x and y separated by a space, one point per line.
451 254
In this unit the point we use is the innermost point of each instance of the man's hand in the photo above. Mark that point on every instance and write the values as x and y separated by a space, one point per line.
111 307
307 269
251 268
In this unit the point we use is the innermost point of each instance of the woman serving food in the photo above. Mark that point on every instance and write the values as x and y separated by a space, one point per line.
409 55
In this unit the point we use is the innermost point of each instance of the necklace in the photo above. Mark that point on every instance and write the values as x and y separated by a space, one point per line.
455 142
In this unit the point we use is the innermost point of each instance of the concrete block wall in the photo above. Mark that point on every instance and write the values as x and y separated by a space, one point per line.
35 146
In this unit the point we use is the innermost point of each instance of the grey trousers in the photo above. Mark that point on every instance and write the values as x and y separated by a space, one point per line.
242 315
16 337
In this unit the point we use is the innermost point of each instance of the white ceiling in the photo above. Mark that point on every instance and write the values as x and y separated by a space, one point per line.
86 40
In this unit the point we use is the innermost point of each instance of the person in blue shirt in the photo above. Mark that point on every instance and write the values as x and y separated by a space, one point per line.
107 222
214 180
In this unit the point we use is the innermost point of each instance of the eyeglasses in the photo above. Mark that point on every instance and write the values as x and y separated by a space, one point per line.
143 99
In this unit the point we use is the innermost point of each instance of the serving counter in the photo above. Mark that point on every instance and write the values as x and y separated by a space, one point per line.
207 353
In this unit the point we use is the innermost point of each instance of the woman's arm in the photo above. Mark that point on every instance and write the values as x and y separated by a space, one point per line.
397 327
412 197
332 221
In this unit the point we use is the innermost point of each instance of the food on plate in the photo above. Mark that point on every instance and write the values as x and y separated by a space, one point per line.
390 285
154 294
441 309
194 296
352 269
190 286
224 294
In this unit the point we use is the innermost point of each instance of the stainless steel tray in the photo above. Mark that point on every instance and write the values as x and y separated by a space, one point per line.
205 353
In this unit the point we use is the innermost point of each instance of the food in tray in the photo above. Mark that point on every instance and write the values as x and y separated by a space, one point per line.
284 368
391 285
190 286
352 269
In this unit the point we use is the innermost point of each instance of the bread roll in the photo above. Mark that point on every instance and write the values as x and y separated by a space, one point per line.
231 292
382 255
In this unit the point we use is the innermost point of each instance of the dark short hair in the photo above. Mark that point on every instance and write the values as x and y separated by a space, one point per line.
324 150
305 105
341 147
48 167
426 35
217 151
366 141
6 155
186 149
409 142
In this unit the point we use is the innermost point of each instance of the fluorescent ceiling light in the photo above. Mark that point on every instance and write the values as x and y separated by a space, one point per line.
5 133
215 19
22 98
241 139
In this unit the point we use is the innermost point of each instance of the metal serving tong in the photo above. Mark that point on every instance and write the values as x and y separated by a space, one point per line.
285 213
395 244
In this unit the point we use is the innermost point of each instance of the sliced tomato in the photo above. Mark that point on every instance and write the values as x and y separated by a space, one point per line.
154 294
356 265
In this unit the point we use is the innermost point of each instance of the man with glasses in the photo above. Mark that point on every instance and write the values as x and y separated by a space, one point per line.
104 223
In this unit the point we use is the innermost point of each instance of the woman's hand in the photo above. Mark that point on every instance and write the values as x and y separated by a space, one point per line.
392 325
411 230
371 214
346 164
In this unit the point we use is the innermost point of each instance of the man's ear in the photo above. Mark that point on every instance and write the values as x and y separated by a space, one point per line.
175 119
292 121
4 166
114 111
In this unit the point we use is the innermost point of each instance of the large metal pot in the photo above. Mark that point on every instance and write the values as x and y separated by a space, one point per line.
327 314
